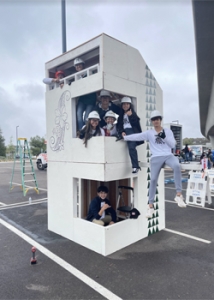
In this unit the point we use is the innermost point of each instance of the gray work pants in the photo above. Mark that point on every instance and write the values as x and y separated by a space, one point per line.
156 164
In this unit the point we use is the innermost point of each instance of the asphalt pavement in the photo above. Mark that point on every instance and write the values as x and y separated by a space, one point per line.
176 263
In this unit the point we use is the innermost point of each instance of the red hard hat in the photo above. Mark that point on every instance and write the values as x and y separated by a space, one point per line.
58 73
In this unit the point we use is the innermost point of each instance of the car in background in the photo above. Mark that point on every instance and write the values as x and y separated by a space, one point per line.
196 156
42 161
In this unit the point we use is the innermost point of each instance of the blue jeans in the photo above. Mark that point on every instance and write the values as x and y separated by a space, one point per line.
187 156
132 149
81 108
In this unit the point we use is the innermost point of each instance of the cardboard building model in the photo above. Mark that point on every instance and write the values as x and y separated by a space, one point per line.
75 171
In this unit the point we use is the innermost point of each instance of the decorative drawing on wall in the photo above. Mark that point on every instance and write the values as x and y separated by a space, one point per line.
150 98
57 139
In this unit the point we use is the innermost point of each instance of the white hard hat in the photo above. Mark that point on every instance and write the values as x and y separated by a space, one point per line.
105 93
109 113
126 100
155 113
78 61
94 115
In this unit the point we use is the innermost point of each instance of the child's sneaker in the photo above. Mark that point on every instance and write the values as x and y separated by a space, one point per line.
180 201
150 212
135 170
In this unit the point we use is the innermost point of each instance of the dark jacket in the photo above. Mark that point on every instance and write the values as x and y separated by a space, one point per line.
116 109
134 121
95 207
186 150
89 99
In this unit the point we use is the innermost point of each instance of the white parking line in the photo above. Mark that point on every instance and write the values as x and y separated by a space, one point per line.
188 236
190 205
3 204
75 272
22 204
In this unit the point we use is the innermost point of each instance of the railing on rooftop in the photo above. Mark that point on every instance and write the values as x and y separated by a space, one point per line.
77 76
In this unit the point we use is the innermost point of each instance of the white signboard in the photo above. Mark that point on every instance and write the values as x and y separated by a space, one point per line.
196 193
211 187
197 175
211 172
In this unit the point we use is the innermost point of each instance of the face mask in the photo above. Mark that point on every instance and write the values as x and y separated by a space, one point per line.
109 126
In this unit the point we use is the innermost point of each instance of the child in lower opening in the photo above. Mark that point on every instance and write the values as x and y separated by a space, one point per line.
92 128
129 123
110 128
100 211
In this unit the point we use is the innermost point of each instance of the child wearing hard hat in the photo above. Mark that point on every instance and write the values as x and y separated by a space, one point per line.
57 77
79 65
161 142
129 123
92 128
110 128
105 105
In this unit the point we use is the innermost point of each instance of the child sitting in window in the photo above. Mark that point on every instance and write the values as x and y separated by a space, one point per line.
100 210
92 128
110 128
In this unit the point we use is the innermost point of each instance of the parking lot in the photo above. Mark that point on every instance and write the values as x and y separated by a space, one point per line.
175 263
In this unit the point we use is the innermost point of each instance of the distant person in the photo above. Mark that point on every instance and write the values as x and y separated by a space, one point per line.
105 105
51 81
209 156
178 154
186 152
110 127
129 123
204 160
203 155
92 128
85 103
213 157
161 141
100 209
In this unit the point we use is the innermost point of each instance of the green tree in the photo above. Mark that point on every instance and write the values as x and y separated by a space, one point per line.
11 149
37 145
2 145
188 141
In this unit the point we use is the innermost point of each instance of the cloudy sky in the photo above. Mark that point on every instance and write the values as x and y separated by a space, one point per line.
30 35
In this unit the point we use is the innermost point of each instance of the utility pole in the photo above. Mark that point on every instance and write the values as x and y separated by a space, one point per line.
63 26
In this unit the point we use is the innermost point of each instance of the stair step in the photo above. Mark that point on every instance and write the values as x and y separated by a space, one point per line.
29 180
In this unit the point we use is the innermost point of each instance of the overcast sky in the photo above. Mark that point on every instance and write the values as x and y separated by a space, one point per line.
30 35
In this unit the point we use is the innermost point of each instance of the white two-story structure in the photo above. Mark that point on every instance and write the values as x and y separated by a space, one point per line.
75 171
